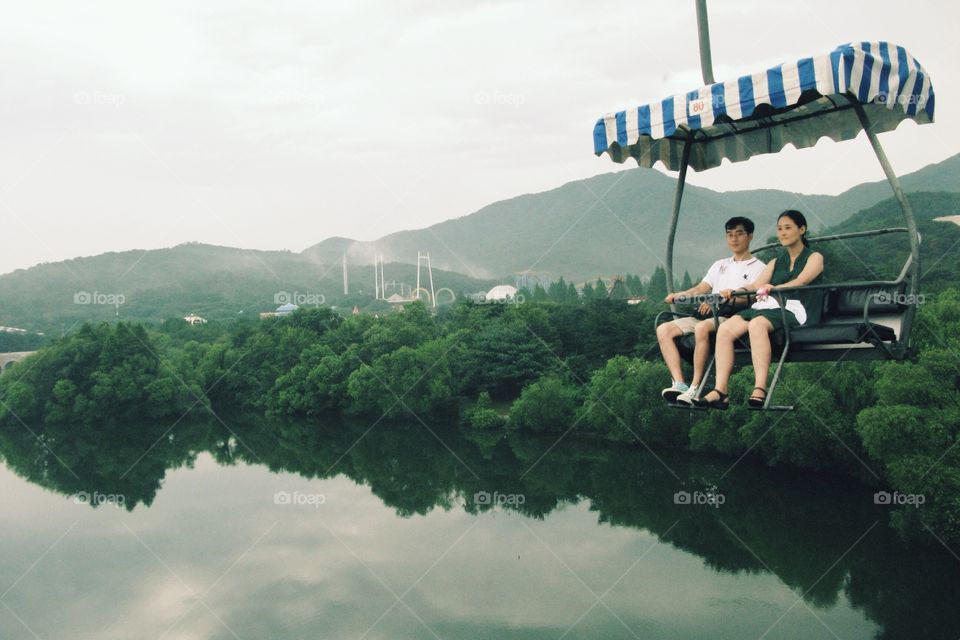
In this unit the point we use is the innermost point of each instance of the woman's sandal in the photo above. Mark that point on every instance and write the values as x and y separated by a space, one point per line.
756 401
723 402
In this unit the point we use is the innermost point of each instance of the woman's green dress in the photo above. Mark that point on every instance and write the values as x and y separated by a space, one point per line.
809 302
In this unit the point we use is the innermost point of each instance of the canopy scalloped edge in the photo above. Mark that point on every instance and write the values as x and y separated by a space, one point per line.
793 103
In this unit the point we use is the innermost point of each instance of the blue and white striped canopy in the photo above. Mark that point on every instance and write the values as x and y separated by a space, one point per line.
792 103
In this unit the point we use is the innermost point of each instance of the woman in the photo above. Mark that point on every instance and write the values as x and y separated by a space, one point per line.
796 265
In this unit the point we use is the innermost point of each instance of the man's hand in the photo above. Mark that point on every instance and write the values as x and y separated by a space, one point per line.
669 298
726 294
705 309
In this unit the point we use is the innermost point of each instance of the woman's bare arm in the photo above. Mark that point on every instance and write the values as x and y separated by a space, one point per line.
811 270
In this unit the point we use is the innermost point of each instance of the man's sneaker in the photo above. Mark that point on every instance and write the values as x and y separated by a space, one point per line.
687 396
671 393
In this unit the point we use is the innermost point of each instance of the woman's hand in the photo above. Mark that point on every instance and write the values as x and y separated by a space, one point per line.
764 291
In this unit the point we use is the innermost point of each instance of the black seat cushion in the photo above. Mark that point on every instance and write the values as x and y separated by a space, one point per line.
832 333
841 333
850 302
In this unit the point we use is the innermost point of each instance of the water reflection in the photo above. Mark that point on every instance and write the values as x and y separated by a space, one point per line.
496 535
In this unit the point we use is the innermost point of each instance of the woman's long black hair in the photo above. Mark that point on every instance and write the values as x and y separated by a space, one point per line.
798 220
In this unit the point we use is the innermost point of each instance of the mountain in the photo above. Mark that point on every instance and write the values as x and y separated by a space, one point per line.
882 257
616 223
606 225
214 282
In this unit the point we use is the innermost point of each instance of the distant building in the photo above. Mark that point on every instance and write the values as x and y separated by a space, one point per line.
356 310
194 319
501 292
621 291
12 330
282 310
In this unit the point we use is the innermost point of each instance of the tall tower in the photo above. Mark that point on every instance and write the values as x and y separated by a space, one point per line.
420 257
379 288
383 290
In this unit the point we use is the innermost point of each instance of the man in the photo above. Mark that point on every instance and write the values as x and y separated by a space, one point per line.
729 273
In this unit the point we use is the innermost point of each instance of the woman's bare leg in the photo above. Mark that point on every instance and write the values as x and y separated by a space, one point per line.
760 350
728 332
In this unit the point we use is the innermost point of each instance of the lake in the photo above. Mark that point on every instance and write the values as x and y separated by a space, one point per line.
299 530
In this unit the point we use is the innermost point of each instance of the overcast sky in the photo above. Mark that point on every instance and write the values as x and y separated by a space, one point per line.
130 125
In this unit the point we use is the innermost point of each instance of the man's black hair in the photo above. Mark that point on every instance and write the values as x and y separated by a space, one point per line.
737 221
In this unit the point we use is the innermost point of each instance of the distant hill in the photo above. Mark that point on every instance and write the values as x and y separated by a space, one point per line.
214 282
615 223
606 225
882 257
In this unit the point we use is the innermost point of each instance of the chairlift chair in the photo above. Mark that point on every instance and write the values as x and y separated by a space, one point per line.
862 86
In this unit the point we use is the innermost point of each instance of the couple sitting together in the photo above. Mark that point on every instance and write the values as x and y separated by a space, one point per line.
795 265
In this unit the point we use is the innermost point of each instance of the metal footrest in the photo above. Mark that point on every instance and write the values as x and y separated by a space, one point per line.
776 407
685 407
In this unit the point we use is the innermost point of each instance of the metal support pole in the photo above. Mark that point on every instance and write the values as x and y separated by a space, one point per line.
907 324
418 276
672 233
703 32
383 290
433 295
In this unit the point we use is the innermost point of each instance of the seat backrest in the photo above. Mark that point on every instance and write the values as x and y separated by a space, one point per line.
849 302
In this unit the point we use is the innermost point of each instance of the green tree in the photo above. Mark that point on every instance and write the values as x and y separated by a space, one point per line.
657 288
539 293
622 403
600 290
505 355
408 380
550 404
483 416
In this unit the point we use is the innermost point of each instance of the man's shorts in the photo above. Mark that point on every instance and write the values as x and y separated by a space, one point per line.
687 324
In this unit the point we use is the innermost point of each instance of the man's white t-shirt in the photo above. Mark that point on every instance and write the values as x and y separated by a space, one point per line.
732 274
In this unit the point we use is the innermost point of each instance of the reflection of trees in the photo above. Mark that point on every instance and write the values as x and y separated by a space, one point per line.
126 460
802 528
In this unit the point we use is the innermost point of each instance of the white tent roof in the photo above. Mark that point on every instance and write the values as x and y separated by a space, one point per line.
501 292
